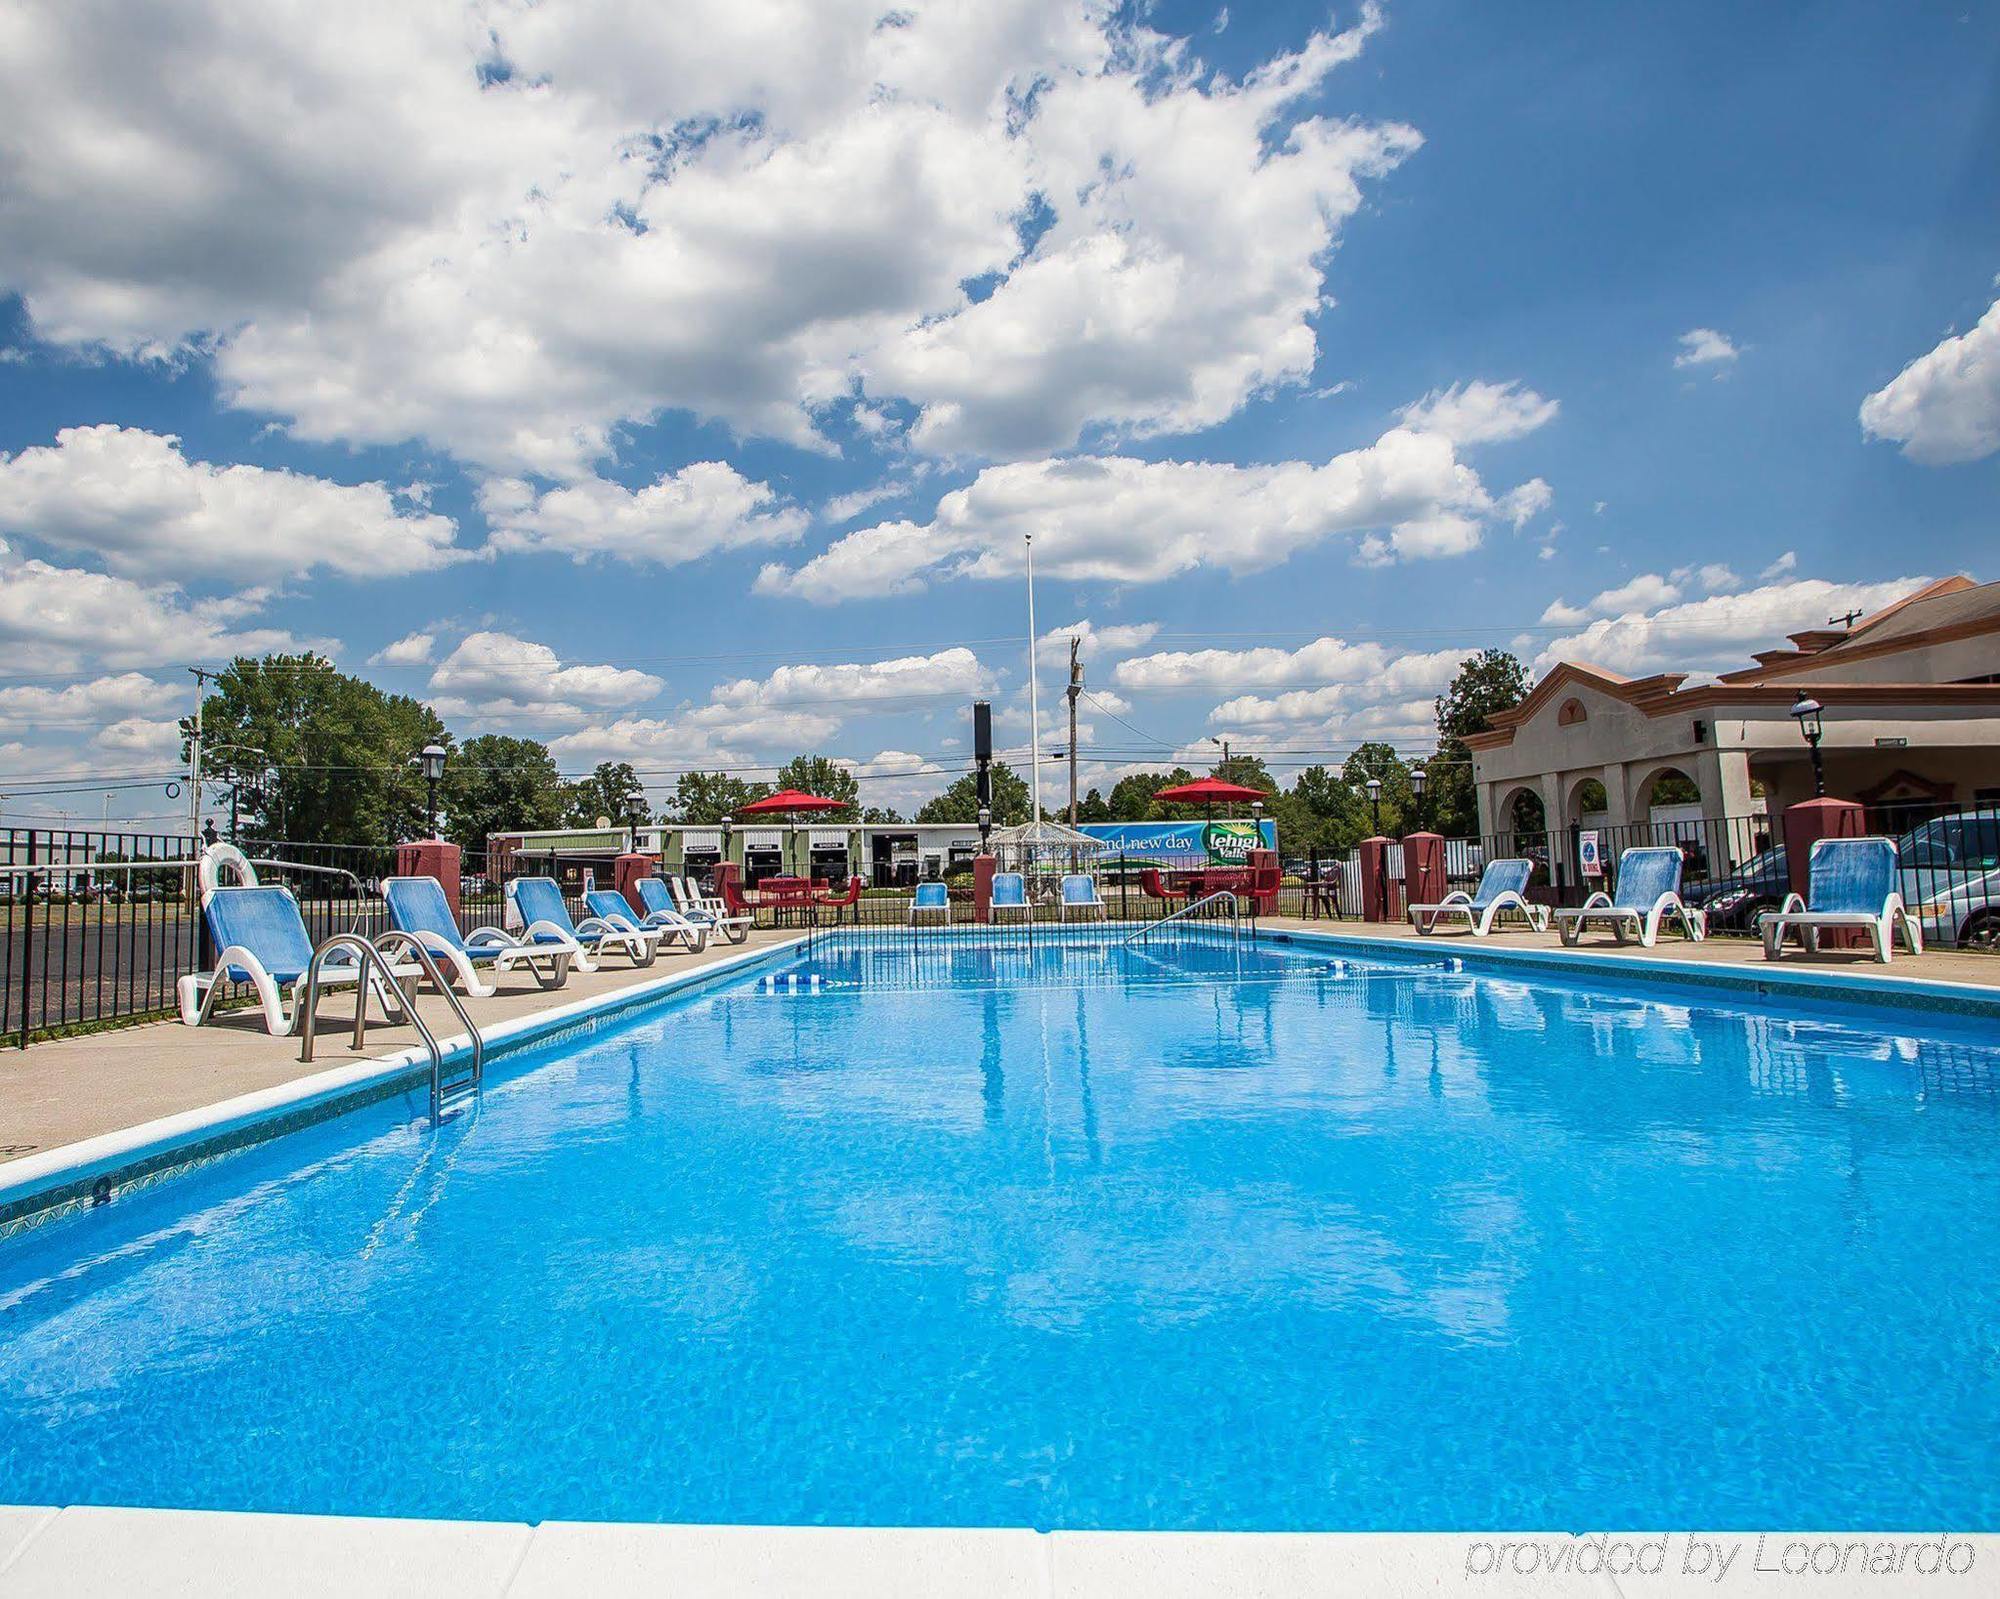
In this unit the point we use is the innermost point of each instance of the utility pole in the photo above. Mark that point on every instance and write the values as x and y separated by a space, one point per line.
201 675
1075 689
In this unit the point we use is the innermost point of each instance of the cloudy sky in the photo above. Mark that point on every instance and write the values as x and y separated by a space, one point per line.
678 383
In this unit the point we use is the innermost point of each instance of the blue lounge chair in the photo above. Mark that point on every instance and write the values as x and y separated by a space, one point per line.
932 899
1850 883
676 896
1503 889
1648 894
1079 897
417 906
612 917
666 921
262 941
1010 896
538 902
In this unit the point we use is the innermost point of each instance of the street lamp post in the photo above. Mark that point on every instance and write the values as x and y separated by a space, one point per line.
1374 787
431 763
635 816
1807 711
985 826
1418 777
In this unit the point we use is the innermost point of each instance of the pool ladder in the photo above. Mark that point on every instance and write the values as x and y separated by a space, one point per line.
377 973
1188 910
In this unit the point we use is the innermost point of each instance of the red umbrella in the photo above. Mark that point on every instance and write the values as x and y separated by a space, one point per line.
1206 791
788 802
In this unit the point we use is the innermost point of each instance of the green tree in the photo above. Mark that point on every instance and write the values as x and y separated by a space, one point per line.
875 814
497 784
816 774
1248 770
1492 680
1012 803
1380 761
1132 797
607 792
1092 808
320 756
707 797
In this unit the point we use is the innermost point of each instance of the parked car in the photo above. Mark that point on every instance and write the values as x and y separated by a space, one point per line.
1733 903
1951 878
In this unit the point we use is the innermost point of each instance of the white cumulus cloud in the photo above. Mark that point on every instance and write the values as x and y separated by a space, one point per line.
1944 406
509 228
412 649
1718 633
133 500
680 517
1480 413
1119 519
498 674
1706 347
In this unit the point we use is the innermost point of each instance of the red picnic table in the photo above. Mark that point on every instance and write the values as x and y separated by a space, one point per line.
780 895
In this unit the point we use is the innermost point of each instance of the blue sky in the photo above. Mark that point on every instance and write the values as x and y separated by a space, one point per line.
678 387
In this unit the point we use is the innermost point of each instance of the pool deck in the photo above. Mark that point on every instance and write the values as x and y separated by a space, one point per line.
66 1090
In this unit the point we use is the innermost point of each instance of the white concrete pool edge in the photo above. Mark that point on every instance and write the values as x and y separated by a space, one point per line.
95 1550
1863 985
67 1165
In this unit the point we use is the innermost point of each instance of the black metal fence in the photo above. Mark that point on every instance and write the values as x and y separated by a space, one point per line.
97 926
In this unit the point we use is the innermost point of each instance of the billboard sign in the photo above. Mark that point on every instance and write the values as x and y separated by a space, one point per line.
1185 843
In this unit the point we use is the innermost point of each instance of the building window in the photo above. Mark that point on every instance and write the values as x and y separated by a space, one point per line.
1571 713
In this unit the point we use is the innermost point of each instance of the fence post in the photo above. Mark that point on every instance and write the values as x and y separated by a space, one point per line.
1124 888
28 939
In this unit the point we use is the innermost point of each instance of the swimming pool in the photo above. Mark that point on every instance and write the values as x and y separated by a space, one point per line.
1217 1236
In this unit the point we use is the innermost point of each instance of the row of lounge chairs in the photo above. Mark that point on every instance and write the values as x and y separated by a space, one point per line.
1852 887
1079 900
261 938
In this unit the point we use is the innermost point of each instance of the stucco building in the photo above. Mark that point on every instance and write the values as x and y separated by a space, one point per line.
1911 698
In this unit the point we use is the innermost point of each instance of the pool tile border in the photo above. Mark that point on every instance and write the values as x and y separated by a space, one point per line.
1775 981
95 1171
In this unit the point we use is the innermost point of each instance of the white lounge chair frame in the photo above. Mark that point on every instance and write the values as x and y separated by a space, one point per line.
698 907
1629 919
1880 927
508 952
195 992
1479 919
1025 910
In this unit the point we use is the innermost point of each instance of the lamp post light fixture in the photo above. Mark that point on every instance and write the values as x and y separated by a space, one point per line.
431 763
635 816
728 826
985 827
1807 712
1374 786
1419 777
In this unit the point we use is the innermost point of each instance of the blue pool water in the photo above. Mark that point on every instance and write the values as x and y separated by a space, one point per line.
1201 1239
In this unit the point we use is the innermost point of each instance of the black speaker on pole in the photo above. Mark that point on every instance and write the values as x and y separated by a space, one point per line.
982 749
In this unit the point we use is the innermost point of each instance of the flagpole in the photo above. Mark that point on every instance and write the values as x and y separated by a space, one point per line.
1034 691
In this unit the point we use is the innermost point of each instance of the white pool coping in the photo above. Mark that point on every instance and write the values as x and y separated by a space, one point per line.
218 1554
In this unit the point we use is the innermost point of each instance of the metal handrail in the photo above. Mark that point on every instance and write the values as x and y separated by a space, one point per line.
396 938
1235 916
308 995
375 956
